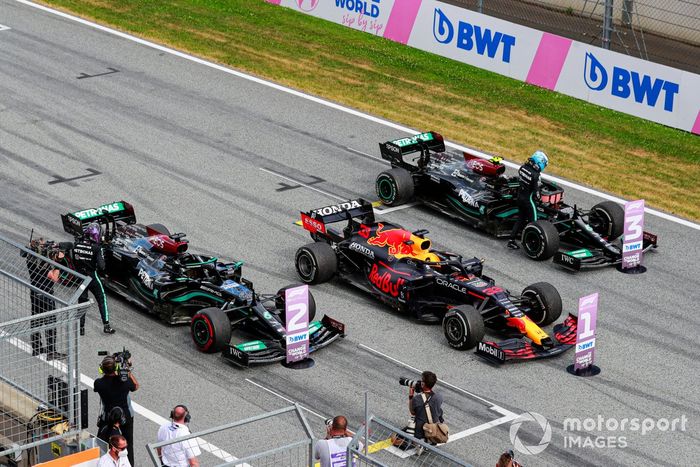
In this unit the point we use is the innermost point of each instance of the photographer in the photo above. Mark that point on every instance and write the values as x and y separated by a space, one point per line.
42 276
507 459
426 397
115 393
88 258
333 450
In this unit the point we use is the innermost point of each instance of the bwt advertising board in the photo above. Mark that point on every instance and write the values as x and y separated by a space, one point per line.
633 236
296 303
617 81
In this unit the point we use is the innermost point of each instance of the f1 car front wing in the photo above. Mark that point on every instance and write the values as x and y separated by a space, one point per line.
321 334
521 349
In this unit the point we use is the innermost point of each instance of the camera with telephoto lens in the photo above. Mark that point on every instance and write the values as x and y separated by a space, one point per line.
417 385
122 363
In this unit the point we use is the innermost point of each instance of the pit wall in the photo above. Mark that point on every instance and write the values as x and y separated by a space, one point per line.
609 79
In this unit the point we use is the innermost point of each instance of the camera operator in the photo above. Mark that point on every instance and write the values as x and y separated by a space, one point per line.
333 450
417 404
42 276
88 258
115 393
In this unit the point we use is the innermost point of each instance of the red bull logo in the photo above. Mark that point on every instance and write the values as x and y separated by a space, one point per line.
385 282
394 239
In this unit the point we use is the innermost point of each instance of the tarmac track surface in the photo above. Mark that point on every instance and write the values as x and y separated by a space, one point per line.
205 153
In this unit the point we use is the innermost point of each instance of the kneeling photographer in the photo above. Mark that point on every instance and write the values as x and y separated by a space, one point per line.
426 406
114 388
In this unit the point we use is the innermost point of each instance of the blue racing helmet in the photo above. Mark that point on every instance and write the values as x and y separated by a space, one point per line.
540 159
93 232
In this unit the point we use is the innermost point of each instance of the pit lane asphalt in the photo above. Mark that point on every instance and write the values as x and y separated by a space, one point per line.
185 144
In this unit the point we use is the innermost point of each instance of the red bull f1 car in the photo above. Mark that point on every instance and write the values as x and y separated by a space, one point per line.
400 268
475 191
152 268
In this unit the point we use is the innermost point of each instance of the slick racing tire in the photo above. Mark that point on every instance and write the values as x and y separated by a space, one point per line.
540 240
464 327
544 303
279 303
394 186
316 262
211 330
607 219
159 228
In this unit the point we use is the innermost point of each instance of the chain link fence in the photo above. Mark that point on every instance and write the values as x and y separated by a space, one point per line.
39 326
662 31
385 445
281 438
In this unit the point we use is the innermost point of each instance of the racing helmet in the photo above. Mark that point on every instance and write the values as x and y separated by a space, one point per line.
93 232
540 159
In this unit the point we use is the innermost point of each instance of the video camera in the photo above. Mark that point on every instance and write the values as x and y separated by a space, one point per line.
122 363
417 385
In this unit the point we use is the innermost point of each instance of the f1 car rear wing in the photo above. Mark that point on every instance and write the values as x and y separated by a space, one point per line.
74 222
396 149
315 221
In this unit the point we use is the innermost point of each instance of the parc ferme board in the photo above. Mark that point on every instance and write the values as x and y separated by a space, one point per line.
610 79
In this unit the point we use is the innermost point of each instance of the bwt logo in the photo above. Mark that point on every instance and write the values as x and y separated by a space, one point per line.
625 83
470 36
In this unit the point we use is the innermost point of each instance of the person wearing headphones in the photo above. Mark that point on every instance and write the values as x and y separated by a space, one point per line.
115 393
184 453
117 454
529 178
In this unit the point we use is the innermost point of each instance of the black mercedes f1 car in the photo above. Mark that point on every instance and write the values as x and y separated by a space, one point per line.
474 190
152 268
401 269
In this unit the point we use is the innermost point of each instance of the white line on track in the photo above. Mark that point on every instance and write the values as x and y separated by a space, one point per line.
138 408
305 185
335 106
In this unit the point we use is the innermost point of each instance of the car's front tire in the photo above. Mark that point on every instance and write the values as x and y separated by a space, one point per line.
540 240
211 330
316 262
607 219
463 327
394 186
545 303
280 302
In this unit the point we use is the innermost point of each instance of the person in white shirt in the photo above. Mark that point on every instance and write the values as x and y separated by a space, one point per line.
332 451
117 454
184 453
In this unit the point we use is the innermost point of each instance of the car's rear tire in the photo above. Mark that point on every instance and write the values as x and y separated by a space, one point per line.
545 303
394 186
211 330
463 327
540 240
159 228
279 303
607 219
316 262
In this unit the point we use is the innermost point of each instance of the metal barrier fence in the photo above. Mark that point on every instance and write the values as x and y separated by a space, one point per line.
662 31
39 377
384 445
249 442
